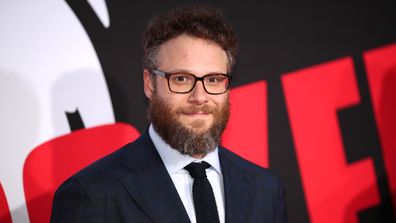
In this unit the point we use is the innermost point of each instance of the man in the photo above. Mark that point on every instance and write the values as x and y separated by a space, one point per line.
176 171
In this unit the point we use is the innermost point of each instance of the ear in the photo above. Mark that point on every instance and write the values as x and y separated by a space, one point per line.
148 84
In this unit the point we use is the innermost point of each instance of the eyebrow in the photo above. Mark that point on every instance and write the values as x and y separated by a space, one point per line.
190 72
180 71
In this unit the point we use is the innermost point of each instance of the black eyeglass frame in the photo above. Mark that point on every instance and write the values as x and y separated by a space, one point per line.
167 75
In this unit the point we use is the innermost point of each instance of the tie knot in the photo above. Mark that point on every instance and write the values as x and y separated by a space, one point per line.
197 170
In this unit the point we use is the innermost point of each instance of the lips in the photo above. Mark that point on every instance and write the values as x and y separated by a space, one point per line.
205 110
196 114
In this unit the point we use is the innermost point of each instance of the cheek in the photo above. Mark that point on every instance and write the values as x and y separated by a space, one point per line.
162 86
220 100
174 101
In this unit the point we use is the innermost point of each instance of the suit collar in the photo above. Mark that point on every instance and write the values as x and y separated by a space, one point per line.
238 191
149 183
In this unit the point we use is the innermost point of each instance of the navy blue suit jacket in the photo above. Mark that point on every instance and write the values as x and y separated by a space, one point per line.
133 185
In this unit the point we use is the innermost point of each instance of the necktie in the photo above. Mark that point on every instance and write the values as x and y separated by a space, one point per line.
204 200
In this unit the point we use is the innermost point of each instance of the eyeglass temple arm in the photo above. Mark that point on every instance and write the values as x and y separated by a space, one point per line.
161 73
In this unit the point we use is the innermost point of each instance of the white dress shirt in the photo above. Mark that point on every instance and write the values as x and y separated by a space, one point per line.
175 162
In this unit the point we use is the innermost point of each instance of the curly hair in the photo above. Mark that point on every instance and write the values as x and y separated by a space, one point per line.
198 21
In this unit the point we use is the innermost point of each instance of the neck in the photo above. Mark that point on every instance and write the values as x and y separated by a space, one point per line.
199 156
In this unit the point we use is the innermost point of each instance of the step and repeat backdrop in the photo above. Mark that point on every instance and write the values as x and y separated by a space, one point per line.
313 98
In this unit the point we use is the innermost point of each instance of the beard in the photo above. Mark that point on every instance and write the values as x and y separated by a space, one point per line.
183 139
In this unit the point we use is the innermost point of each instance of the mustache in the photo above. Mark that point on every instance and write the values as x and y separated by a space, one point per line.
194 109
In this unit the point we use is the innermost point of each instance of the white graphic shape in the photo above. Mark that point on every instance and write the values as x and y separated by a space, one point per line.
47 66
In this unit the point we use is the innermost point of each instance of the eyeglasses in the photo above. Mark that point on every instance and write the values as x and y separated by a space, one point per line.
182 82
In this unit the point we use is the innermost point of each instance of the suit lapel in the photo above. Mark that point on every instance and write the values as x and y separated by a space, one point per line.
238 189
150 185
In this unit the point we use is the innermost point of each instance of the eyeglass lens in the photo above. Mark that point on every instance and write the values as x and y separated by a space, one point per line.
183 83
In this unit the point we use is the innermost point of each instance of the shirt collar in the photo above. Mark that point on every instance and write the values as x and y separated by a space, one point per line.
174 160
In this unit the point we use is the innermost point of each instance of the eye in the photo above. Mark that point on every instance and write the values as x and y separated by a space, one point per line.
215 79
181 78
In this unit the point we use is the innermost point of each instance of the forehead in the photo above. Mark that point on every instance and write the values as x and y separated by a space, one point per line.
191 53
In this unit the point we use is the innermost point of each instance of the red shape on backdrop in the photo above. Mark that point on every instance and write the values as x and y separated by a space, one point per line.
335 191
247 130
5 215
381 75
51 163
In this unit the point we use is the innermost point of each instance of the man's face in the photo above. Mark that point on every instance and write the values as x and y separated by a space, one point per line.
197 112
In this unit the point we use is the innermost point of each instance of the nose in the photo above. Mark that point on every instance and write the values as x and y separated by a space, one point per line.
198 95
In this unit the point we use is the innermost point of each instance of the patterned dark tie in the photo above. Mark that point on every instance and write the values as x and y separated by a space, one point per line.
204 200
